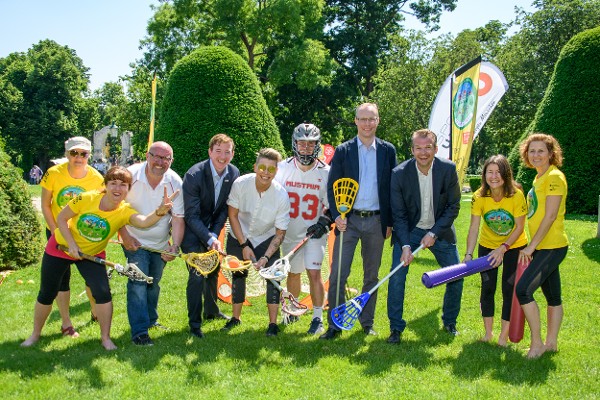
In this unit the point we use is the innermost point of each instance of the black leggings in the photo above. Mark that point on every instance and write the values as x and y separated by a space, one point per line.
53 270
489 280
66 279
238 279
542 271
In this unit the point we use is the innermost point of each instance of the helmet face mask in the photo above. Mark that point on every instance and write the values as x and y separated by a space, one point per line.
309 133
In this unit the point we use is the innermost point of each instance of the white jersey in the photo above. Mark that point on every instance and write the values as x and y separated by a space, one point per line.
308 195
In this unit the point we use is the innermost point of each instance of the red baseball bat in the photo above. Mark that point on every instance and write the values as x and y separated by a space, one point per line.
517 318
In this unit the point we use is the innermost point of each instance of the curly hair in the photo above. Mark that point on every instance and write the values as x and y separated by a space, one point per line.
556 156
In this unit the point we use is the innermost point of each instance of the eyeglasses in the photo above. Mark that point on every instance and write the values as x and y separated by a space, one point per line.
161 158
370 119
270 169
82 154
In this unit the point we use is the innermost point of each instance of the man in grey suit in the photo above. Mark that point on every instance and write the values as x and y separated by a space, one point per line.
206 187
425 199
369 161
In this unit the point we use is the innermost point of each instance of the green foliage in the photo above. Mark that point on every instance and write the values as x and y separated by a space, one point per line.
214 91
474 182
569 113
20 242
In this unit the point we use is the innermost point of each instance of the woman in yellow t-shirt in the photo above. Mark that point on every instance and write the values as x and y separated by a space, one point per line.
86 224
502 207
59 185
548 245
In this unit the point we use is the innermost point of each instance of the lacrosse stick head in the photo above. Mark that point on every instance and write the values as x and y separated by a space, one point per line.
278 271
232 263
202 263
133 272
344 192
291 306
345 315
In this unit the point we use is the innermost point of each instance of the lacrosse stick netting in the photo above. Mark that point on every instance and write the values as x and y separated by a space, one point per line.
279 269
344 316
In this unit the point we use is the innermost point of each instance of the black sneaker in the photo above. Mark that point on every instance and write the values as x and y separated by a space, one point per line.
143 340
231 323
316 326
272 330
197 332
451 329
219 315
330 334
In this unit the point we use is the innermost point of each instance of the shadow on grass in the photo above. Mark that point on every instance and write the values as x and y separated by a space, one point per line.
502 363
591 249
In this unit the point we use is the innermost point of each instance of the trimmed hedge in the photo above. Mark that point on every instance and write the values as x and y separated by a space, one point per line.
20 241
569 112
210 91
475 183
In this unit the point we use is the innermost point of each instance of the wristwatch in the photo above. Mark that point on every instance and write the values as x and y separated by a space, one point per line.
431 234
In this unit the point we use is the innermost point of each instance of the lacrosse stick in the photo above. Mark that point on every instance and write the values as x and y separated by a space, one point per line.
344 192
280 268
130 270
232 263
201 263
344 316
289 305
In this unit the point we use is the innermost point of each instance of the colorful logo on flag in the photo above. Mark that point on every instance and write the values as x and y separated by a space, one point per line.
463 104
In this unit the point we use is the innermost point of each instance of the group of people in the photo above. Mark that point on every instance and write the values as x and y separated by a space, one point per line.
283 201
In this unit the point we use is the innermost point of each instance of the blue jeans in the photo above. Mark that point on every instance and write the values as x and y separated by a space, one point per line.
446 254
142 298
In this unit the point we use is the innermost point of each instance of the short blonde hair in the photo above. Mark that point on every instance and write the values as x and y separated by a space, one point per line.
269 154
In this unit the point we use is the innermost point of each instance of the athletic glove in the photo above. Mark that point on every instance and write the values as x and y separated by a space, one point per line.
320 228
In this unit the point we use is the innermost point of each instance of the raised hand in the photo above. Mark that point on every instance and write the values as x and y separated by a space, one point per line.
167 203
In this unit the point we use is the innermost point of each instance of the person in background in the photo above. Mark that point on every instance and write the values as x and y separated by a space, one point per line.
150 179
502 207
60 184
35 174
549 243
206 187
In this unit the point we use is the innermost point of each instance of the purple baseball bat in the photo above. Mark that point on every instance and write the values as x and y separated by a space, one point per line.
455 272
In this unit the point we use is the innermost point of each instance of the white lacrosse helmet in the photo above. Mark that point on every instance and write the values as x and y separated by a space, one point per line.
308 132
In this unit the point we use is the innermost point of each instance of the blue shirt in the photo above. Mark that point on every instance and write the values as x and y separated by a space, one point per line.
367 198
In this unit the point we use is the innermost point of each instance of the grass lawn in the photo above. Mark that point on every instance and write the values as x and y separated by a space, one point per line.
244 363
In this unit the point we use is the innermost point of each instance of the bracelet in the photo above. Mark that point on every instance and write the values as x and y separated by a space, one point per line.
506 246
267 257
469 254
245 244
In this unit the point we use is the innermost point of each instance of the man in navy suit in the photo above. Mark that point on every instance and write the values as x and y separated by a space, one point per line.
425 199
369 161
206 187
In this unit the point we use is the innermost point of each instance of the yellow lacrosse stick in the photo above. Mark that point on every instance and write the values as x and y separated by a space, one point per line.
344 193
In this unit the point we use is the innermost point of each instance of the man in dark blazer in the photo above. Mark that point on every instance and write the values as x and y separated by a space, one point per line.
425 200
369 161
206 187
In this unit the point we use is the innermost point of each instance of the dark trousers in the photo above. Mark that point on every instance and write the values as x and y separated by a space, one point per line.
368 231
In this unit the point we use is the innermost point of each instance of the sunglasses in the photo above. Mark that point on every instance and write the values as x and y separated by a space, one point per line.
270 169
82 154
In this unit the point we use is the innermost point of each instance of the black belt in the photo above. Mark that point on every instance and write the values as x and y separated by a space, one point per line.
365 214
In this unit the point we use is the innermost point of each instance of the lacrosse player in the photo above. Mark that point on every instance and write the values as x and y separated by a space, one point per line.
304 177
149 180
259 214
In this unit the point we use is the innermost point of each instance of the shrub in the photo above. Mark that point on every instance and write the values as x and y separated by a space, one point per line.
569 113
474 183
20 229
210 91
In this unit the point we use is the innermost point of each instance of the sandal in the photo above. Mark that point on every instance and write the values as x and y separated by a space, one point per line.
70 331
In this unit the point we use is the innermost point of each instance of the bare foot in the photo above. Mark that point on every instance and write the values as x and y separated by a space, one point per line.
502 341
551 347
536 352
487 338
109 345
30 341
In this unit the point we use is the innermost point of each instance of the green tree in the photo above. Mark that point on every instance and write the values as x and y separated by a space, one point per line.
20 229
214 91
569 113
39 109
